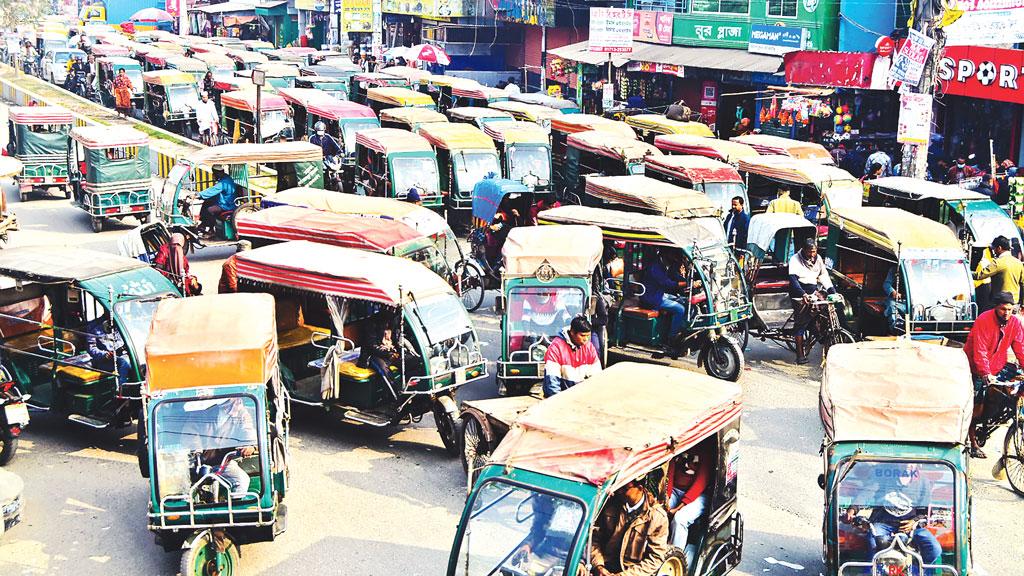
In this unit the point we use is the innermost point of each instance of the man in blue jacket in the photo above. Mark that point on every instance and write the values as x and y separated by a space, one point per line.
217 199
661 281
737 221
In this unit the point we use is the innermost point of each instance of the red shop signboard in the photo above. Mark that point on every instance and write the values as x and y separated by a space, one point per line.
978 72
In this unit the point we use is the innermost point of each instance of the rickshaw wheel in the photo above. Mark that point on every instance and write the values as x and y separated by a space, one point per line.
674 564
476 443
840 336
724 359
472 287
8 446
141 447
1013 458
740 331
67 191
97 224
446 427
202 559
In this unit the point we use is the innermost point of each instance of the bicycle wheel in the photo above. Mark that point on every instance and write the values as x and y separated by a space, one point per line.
840 336
1013 458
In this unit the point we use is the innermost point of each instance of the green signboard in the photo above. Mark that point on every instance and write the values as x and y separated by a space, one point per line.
705 32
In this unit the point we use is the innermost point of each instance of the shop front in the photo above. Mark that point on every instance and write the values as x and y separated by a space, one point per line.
282 25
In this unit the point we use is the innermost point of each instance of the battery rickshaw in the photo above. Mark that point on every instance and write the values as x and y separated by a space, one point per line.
38 138
238 118
360 83
107 69
475 94
816 186
714 297
74 323
649 196
171 98
772 239
215 434
479 117
561 104
869 249
373 339
109 171
546 281
720 181
539 115
255 170
563 459
336 87
397 97
689 145
599 152
768 145
563 125
524 151
465 156
408 118
897 491
390 162
648 126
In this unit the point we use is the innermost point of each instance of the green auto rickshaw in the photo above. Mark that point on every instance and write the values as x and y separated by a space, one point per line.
536 506
896 481
214 438
38 137
110 172
171 98
547 280
74 323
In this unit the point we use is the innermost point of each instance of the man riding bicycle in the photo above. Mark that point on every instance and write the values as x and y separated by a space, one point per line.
807 277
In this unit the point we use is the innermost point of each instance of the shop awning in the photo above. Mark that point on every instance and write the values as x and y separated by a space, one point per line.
712 58
836 69
238 20
225 7
274 8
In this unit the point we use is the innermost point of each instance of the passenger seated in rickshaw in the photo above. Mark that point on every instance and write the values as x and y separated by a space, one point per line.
784 204
899 498
571 358
808 277
662 281
218 201
552 529
895 306
381 342
106 348
630 537
685 500
505 219
539 206
222 433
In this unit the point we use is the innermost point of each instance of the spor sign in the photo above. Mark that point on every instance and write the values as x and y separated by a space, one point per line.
979 72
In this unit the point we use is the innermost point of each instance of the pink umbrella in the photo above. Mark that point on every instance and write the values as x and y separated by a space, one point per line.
151 15
427 53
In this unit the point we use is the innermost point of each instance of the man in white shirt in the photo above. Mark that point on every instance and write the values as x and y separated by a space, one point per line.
881 158
512 87
207 119
807 276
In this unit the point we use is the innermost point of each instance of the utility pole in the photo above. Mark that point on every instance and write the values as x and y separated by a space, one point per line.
915 156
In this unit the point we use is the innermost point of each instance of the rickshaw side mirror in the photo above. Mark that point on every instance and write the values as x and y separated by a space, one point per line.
499 303
821 481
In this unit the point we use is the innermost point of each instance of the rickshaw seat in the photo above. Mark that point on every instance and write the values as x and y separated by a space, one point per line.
766 285
698 299
79 374
640 312
298 336
225 215
876 305
352 371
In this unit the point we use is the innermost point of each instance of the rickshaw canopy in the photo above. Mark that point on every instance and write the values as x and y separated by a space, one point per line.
31 115
612 145
101 50
247 56
646 192
322 104
168 77
456 136
763 227
421 218
258 45
448 81
275 70
532 112
766 144
343 272
694 169
215 60
246 100
542 99
570 250
637 227
920 189
297 223
399 96
841 188
413 75
257 153
478 92
158 57
662 125
897 231
116 62
99 137
412 116
476 112
489 192
724 150
391 140
62 263
595 434
379 79
168 47
516 132
573 123
896 391
216 340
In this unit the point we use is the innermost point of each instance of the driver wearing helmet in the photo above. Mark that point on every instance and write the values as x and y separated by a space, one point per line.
325 141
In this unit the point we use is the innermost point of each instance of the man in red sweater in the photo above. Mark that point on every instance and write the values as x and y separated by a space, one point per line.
571 358
994 332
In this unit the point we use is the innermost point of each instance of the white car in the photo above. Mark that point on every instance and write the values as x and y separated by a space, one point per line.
11 503
55 64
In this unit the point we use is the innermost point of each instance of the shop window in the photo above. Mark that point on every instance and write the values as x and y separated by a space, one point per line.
782 8
678 6
721 6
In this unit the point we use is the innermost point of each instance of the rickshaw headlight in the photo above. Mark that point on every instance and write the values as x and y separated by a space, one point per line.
538 352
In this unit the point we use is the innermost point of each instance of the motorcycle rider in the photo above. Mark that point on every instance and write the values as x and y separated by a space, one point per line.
331 149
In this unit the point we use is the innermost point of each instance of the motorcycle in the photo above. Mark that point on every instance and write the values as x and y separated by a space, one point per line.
13 416
333 172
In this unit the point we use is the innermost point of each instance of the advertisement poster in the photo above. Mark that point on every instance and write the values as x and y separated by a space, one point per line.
987 23
653 27
915 124
611 30
428 8
358 16
908 65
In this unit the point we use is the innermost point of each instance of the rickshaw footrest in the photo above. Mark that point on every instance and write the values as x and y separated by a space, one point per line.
364 418
90 422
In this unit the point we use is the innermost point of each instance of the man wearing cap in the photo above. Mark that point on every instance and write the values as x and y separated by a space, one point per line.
413 197
993 334
1005 271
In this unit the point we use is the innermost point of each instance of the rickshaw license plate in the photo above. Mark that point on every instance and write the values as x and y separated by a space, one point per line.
16 413
460 377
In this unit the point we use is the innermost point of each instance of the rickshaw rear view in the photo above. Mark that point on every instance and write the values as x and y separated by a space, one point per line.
38 137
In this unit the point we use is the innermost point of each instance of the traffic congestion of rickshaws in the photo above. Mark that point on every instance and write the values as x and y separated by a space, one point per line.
374 210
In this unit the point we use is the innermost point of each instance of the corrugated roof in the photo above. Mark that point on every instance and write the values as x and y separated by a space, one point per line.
713 58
